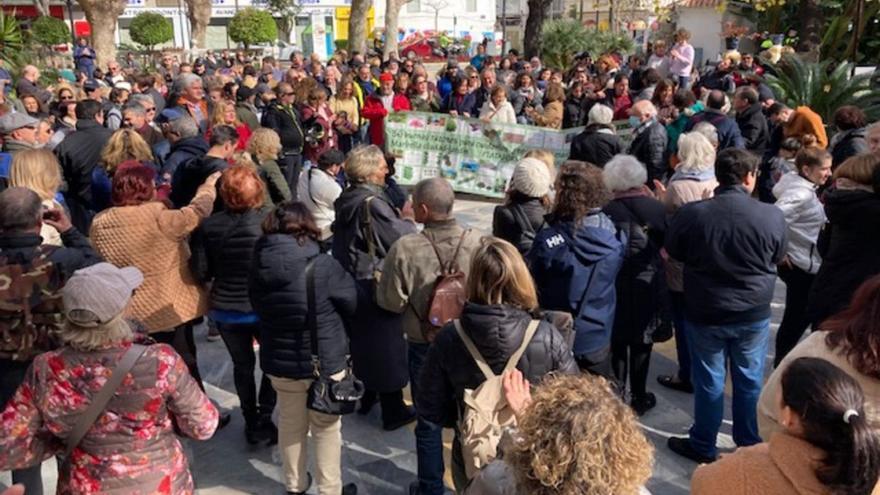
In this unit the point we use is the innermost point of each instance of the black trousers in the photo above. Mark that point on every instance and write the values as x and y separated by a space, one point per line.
182 340
599 363
291 166
12 375
794 319
631 361
239 339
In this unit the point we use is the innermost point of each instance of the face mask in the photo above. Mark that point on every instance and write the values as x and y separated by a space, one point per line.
634 121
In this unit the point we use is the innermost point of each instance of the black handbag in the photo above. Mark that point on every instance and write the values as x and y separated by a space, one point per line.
327 395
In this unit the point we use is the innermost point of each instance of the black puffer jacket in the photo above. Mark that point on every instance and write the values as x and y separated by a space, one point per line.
505 225
753 127
575 112
497 331
596 145
288 124
192 174
848 244
847 144
78 154
278 295
649 145
222 253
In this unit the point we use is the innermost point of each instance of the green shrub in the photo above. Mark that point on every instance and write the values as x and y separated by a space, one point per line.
150 29
50 31
250 26
564 38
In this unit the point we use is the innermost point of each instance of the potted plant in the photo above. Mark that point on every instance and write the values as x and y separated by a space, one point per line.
731 32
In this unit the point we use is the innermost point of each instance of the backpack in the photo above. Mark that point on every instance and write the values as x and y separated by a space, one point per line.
30 306
486 412
527 237
448 295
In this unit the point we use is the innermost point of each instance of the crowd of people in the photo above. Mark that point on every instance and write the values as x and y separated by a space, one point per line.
139 202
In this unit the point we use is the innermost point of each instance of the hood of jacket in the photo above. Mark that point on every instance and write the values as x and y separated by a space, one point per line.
195 145
747 114
793 182
496 329
349 202
853 207
595 238
204 165
279 258
845 135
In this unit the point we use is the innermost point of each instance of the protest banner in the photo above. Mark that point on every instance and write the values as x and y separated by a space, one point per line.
476 157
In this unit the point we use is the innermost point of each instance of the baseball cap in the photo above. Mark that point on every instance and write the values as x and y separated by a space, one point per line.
244 93
91 85
331 157
96 294
169 114
16 120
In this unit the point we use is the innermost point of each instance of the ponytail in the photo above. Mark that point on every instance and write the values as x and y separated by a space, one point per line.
830 405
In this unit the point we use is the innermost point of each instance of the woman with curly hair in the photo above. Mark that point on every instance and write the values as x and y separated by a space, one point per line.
124 145
224 114
497 317
264 147
575 261
609 454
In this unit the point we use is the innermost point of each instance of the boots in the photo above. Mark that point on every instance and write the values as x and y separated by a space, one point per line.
254 432
395 413
269 428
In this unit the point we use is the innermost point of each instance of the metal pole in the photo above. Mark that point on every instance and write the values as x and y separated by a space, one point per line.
860 7
503 26
72 28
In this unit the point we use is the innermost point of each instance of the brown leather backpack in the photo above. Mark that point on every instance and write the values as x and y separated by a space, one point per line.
448 296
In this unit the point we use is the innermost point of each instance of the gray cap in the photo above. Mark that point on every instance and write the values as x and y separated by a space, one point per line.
96 294
16 120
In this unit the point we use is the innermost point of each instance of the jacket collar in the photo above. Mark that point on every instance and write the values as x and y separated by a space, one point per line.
20 240
82 125
441 225
738 189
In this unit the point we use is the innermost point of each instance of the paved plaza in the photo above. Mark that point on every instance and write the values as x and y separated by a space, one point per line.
382 462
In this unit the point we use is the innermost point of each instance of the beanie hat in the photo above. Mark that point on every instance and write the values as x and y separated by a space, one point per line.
531 177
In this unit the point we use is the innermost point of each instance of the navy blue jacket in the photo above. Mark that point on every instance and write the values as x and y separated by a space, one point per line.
575 270
729 135
467 104
730 246
183 151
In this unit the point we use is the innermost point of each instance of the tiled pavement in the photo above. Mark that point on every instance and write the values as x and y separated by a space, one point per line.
384 463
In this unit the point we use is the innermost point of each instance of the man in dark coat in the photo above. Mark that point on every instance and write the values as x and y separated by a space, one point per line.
190 175
751 121
79 153
730 246
21 217
182 144
729 135
598 143
283 118
650 141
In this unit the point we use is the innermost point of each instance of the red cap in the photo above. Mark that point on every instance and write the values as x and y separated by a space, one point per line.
386 76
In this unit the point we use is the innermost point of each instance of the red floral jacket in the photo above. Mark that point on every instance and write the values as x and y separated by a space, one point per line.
131 449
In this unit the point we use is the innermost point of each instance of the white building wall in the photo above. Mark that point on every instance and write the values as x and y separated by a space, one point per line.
457 17
705 28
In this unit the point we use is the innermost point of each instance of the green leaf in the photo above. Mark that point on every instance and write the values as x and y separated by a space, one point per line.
251 26
150 29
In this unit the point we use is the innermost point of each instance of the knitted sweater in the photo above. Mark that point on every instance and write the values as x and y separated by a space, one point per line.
806 121
153 238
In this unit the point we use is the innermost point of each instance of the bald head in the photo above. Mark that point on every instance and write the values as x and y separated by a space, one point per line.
643 109
20 210
433 198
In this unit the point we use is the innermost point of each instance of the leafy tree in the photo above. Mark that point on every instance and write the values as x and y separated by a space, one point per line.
284 12
250 26
50 31
564 38
150 29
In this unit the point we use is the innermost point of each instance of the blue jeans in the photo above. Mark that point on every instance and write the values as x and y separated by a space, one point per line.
684 82
681 342
744 346
429 436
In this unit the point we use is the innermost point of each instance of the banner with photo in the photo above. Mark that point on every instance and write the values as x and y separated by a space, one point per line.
476 157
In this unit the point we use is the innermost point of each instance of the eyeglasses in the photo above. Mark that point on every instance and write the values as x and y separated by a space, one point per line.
150 109
65 97
474 77
288 94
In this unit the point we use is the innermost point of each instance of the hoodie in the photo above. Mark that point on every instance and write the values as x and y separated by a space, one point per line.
805 217
190 175
575 267
183 151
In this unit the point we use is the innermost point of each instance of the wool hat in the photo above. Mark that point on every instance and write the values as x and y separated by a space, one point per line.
386 76
16 120
96 294
531 177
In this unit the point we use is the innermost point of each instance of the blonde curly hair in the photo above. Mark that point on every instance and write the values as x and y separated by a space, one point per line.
125 144
577 438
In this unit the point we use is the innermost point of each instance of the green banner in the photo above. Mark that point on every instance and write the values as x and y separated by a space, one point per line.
475 156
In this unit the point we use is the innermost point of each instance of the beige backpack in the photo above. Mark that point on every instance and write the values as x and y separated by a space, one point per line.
486 412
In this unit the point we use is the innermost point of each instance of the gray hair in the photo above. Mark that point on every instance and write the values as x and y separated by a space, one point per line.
184 126
624 172
363 162
708 131
20 210
87 339
436 194
695 152
135 108
141 99
184 81
600 114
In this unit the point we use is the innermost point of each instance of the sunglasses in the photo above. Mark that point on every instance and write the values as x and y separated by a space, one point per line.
150 109
65 97
287 94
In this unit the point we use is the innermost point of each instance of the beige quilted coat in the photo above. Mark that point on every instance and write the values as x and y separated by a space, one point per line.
153 238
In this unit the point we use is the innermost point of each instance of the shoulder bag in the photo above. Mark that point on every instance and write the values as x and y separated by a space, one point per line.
327 395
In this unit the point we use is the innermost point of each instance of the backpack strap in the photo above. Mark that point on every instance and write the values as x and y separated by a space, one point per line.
515 357
448 267
312 315
521 219
102 398
472 349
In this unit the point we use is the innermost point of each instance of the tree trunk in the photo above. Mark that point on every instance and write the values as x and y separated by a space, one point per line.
812 22
42 6
102 16
357 25
199 14
392 14
534 24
